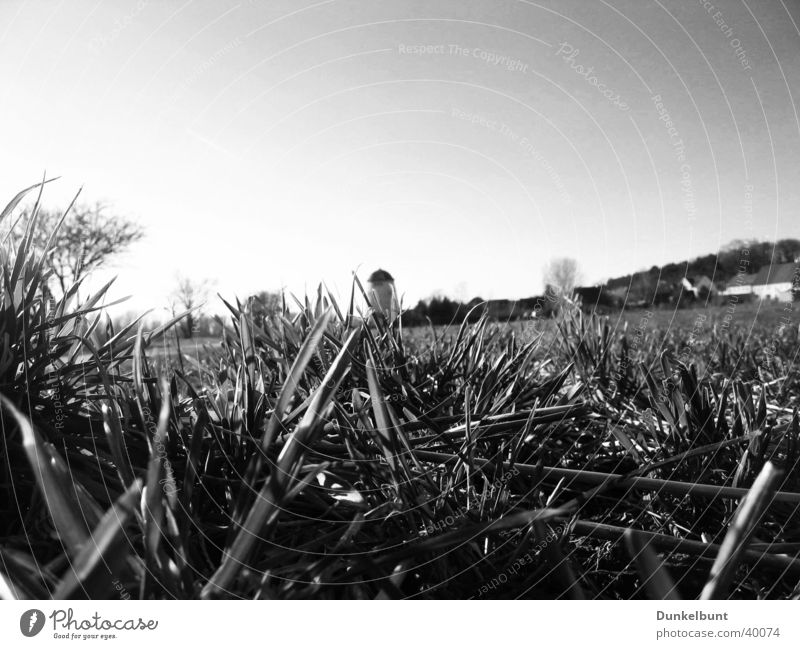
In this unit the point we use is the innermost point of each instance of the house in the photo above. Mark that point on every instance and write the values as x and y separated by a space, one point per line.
702 286
502 309
539 306
594 297
741 284
775 281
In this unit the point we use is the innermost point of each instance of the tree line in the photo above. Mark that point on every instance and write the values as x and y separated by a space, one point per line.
88 237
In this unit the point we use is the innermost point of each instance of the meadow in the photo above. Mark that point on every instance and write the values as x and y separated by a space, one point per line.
310 454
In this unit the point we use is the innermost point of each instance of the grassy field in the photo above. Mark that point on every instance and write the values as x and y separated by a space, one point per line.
312 456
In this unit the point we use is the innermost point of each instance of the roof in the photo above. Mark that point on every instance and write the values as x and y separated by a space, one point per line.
743 280
380 275
775 274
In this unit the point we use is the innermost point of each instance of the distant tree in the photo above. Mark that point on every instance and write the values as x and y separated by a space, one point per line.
796 287
476 307
665 292
443 310
643 288
787 251
563 273
415 317
87 239
189 294
265 304
705 266
737 245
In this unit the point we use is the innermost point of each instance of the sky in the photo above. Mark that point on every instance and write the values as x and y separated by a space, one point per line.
460 145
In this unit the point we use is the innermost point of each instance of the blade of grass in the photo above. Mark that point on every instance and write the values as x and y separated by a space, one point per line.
269 500
655 577
94 569
70 518
621 480
741 530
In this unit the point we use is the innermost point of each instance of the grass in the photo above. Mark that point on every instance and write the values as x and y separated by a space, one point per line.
315 456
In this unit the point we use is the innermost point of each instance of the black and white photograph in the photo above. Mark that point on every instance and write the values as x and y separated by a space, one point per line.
446 300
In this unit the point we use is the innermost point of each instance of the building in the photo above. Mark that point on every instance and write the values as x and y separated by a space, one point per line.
770 282
742 284
775 282
539 306
702 287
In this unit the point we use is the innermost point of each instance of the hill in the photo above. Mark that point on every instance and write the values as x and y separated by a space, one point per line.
659 285
662 283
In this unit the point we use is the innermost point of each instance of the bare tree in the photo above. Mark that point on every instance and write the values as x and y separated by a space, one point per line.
562 273
87 239
188 296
